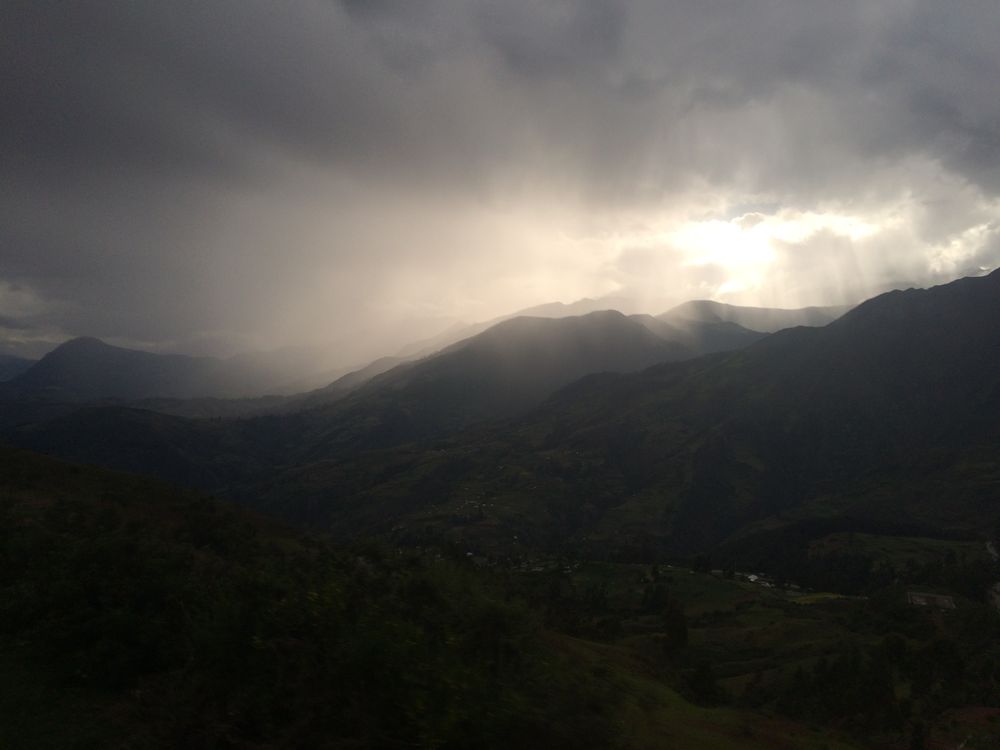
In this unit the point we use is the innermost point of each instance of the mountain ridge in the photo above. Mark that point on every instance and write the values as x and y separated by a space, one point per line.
87 369
687 454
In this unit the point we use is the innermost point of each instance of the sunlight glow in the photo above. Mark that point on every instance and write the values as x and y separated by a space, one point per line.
749 240
747 246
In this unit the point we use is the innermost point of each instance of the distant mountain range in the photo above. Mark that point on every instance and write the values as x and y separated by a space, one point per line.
761 319
764 319
887 419
499 373
88 369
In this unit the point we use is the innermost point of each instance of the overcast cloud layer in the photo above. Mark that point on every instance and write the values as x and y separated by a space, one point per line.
222 175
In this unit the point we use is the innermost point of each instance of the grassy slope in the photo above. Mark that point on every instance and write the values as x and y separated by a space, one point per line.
135 615
766 646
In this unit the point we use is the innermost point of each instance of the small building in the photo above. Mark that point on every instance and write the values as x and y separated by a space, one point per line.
937 601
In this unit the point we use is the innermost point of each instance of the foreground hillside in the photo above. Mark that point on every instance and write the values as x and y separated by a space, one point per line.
138 617
135 616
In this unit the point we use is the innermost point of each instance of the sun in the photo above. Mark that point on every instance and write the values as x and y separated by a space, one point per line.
730 244
747 246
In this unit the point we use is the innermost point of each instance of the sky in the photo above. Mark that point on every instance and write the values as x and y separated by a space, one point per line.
229 175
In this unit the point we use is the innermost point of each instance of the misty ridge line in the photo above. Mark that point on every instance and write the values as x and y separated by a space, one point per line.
264 382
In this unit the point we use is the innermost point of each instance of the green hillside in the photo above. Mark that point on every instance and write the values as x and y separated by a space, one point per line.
136 615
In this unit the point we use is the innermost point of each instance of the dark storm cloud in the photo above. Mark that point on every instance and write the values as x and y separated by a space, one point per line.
195 87
223 169
79 96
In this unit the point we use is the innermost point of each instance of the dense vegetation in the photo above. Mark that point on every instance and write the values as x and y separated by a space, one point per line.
137 616
190 624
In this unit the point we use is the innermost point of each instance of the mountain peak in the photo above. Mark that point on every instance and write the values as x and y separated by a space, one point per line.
83 342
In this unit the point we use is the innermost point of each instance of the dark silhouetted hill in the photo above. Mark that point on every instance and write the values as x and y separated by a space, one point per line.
702 336
88 370
497 374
